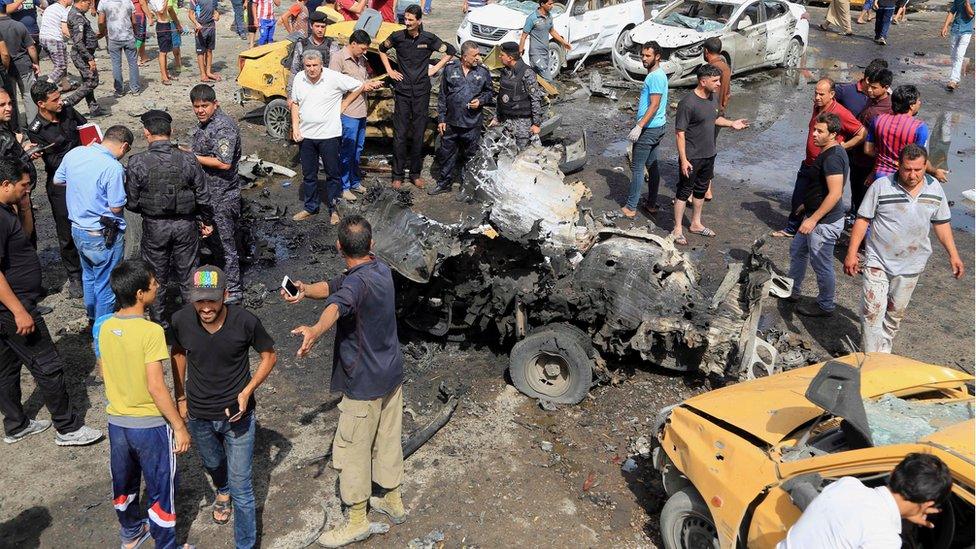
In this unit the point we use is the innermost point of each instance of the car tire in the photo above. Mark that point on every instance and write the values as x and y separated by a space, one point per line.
556 58
277 119
554 363
687 522
794 52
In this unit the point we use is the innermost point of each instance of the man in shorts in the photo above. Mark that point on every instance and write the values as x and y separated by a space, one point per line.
695 124
204 16
168 31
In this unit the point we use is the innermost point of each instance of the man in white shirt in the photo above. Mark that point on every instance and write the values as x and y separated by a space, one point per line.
52 38
849 515
316 106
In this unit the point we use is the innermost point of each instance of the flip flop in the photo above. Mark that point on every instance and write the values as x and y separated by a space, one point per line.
146 534
220 507
680 240
167 82
704 232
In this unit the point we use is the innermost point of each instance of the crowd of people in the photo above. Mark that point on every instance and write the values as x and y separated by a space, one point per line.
863 136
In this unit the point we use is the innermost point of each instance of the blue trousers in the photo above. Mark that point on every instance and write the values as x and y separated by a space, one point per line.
796 200
309 153
817 248
239 26
116 50
645 157
227 450
266 31
882 21
97 262
146 453
350 150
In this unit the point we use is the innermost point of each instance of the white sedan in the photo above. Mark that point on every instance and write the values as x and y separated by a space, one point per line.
754 33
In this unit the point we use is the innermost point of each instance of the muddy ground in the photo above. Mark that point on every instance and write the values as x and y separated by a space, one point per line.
485 479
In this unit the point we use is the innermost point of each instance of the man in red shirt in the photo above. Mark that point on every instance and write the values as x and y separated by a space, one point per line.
851 134
351 9
386 9
862 166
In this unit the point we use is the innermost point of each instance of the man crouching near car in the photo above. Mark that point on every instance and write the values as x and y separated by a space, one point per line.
849 514
367 368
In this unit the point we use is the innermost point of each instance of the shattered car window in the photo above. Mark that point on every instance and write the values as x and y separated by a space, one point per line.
895 420
698 16
529 6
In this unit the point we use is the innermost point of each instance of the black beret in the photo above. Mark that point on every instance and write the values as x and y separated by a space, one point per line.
155 114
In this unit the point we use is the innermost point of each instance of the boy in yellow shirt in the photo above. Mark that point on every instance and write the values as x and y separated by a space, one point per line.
145 430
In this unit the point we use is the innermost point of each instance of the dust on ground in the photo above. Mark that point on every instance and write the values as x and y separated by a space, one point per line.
503 471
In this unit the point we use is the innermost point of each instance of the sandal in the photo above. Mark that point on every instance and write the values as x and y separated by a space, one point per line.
140 540
704 232
222 507
680 240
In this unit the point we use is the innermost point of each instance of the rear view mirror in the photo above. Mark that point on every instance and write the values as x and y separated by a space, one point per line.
578 9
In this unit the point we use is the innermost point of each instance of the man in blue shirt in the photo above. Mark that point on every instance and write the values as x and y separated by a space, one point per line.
95 182
538 29
647 133
959 26
853 95
367 368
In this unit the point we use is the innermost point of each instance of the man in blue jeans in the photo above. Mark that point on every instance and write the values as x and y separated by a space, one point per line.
95 195
647 133
885 10
215 392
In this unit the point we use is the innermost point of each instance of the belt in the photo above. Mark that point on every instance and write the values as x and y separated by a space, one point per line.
94 233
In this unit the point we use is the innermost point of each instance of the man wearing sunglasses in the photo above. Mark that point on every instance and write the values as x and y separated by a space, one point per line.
211 343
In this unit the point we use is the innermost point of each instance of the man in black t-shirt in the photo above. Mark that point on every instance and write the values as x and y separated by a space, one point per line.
823 218
24 338
695 124
211 343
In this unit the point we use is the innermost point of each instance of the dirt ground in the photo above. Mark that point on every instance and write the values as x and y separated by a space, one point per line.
487 479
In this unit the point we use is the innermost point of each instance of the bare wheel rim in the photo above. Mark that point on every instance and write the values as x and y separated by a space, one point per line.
277 121
793 55
553 61
548 374
697 532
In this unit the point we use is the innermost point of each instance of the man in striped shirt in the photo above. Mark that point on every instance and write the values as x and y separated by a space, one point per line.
264 12
899 209
889 133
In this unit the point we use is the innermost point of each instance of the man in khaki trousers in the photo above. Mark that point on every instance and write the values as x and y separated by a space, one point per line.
839 15
367 368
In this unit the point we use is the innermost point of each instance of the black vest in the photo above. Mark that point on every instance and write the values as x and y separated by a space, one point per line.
166 192
513 95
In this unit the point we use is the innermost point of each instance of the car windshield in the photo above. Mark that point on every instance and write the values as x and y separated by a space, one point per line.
696 15
529 6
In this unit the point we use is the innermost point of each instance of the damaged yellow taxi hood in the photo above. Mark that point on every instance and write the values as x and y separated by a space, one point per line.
956 439
771 408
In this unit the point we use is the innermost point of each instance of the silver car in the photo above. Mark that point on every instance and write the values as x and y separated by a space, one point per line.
754 33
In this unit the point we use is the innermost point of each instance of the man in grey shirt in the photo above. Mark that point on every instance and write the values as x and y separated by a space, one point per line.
23 68
538 29
116 19
899 209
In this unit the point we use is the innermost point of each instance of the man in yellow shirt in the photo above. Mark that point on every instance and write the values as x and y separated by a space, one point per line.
145 429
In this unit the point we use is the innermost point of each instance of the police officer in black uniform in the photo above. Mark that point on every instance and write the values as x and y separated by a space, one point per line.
12 146
411 91
55 129
519 97
316 40
168 188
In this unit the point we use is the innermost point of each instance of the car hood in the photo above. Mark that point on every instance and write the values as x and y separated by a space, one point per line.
668 36
260 51
494 15
771 408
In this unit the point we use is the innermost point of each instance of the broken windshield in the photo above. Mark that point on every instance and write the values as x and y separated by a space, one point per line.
698 16
529 6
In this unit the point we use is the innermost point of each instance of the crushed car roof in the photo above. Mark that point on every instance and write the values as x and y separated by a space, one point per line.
772 408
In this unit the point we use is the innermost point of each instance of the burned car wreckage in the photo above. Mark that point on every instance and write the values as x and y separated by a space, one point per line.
534 270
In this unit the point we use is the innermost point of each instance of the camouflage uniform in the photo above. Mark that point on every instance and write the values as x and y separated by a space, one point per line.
220 138
520 127
171 215
84 42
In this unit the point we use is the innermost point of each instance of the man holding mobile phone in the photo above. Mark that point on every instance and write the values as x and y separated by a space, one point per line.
211 342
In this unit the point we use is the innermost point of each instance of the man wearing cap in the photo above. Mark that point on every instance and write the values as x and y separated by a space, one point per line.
367 368
215 392
316 40
519 103
168 188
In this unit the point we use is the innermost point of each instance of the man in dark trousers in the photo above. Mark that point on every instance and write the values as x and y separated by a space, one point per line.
211 348
367 368
168 188
519 97
24 338
55 129
84 42
217 144
466 88
411 91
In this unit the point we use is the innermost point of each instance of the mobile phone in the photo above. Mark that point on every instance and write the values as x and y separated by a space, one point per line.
235 417
289 287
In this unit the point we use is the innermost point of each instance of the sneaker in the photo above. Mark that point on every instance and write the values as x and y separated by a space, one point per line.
43 310
136 91
302 215
349 196
813 310
119 94
75 289
96 111
82 437
34 426
358 189
881 41
439 189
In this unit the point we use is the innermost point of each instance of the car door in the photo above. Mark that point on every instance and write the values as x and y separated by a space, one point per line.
748 33
583 26
779 29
